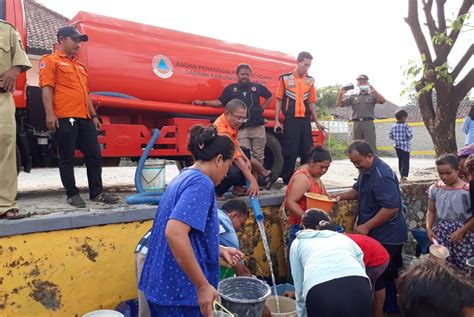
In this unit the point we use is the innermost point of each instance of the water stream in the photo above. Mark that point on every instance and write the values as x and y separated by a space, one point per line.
266 246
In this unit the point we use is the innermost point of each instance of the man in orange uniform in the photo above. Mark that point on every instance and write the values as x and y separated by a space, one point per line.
70 113
228 123
296 97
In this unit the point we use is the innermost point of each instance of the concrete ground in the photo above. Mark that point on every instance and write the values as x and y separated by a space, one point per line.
41 191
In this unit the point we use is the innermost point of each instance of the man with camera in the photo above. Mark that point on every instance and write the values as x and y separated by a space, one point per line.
363 105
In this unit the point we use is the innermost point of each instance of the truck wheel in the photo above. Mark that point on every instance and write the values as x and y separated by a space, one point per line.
273 156
18 160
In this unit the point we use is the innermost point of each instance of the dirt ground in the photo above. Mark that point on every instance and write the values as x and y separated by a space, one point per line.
41 191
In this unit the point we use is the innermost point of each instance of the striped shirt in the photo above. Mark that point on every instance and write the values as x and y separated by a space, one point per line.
401 134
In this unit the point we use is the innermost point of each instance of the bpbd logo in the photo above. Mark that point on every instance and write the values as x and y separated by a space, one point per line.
162 66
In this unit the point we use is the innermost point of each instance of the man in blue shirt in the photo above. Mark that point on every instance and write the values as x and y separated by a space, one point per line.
232 218
380 214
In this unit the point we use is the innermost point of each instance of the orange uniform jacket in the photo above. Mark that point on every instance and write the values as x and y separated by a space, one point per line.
296 94
223 127
68 77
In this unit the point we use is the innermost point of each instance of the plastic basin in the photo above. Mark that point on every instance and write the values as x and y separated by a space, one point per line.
438 253
319 201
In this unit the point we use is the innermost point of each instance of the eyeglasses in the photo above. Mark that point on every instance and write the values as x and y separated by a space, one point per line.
239 119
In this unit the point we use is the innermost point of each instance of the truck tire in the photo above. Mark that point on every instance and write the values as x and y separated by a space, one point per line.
18 160
273 155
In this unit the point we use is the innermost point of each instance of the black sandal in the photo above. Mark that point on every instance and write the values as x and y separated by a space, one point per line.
12 214
268 180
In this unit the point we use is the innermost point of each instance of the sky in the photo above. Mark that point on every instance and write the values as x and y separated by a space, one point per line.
345 37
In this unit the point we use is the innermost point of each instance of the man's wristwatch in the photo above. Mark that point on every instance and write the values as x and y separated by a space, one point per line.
95 116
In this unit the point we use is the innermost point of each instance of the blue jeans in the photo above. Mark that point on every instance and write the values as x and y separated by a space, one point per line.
291 237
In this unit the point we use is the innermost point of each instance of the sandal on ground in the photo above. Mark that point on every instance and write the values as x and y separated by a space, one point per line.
12 214
106 199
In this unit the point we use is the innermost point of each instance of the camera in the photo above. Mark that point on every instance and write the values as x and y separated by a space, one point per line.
348 87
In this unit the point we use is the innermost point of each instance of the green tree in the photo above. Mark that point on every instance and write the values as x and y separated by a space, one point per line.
326 99
433 75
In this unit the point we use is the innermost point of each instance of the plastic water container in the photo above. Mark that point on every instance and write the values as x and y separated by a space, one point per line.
421 238
287 306
153 175
104 313
244 296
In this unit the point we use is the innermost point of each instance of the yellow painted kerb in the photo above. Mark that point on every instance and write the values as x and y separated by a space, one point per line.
68 272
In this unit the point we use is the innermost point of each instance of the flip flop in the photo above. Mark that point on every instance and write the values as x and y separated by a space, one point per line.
12 214
268 180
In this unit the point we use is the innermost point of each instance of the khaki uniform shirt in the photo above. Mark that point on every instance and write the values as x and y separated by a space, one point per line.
363 105
12 52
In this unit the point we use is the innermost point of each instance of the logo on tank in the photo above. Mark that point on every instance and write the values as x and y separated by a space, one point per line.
162 66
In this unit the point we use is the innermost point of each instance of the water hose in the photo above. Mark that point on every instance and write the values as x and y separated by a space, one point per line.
142 196
255 204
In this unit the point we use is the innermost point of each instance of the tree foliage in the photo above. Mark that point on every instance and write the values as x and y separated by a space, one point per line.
326 99
433 75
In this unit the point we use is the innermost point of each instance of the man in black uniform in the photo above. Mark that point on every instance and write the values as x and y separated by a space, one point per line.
252 132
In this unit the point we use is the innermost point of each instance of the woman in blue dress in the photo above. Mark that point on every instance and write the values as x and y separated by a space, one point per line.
181 270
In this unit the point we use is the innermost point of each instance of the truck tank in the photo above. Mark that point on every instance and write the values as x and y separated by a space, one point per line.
163 65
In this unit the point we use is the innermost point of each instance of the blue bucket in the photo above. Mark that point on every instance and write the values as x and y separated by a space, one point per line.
421 238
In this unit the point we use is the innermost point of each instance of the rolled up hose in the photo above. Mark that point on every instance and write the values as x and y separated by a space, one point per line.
255 204
149 198
143 197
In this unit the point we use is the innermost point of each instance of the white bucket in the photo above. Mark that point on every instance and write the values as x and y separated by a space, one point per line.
438 253
287 306
104 313
153 175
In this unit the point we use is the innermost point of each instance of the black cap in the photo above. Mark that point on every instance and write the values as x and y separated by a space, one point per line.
362 77
72 32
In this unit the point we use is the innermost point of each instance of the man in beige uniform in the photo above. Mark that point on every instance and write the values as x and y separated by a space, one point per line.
13 60
363 106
